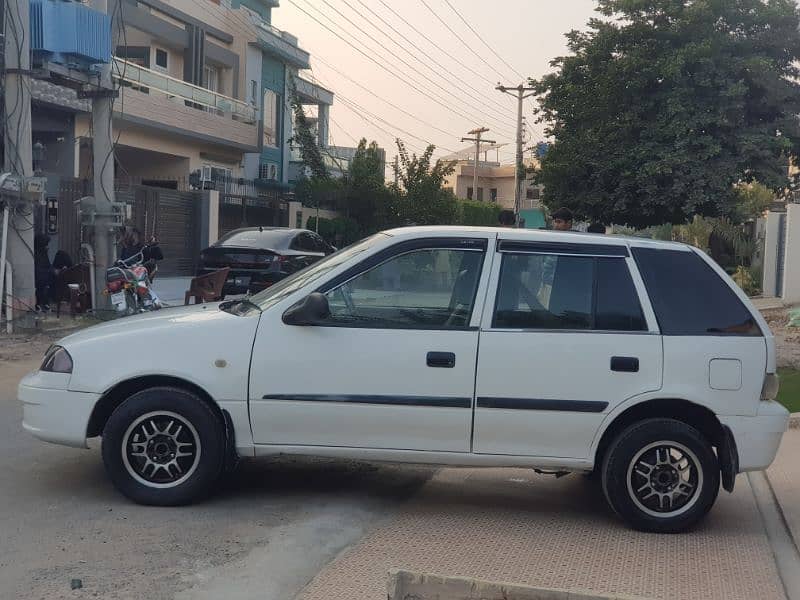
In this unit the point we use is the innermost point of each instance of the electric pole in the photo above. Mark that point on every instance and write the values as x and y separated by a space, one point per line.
103 167
477 132
19 217
521 92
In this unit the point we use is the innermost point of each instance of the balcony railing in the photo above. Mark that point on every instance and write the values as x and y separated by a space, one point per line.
282 42
134 74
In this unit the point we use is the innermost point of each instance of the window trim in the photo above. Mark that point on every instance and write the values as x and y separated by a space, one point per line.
156 66
490 308
400 249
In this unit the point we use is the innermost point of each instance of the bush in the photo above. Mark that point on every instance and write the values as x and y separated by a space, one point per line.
479 213
339 232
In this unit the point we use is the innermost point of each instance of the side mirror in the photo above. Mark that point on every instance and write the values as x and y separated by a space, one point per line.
311 310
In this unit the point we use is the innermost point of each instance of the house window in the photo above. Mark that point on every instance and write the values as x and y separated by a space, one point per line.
480 194
267 171
469 193
493 194
532 193
253 92
271 118
161 60
211 78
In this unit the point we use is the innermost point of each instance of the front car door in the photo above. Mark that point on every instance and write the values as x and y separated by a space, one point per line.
394 365
568 335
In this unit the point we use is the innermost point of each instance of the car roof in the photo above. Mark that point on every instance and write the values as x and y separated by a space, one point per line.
534 235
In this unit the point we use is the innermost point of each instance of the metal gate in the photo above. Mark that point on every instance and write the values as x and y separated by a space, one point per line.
70 191
249 211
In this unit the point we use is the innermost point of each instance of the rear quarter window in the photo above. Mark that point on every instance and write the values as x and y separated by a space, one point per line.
689 297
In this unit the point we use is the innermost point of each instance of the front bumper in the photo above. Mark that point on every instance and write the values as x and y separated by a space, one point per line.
55 415
757 438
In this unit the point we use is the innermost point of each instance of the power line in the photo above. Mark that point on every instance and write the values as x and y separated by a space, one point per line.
451 30
478 35
435 45
447 95
385 68
459 87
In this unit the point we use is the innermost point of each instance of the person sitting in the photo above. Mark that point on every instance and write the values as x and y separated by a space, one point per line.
151 252
43 271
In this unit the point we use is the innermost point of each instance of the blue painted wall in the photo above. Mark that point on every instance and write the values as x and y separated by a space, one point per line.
273 77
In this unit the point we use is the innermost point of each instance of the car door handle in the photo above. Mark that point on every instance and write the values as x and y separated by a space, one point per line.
625 364
443 360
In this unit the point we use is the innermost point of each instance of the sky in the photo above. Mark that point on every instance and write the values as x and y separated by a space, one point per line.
430 87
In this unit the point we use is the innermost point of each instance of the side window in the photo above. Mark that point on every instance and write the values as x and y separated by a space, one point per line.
424 288
617 307
318 244
688 296
550 291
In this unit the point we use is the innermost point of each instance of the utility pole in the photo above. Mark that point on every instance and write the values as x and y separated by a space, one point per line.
103 167
477 132
521 92
19 217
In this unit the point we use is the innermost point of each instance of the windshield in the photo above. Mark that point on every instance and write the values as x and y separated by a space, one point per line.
286 287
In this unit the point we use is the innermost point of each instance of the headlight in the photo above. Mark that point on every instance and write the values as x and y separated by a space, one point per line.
56 360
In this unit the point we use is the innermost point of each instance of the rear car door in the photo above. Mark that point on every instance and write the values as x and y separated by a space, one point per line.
393 367
566 338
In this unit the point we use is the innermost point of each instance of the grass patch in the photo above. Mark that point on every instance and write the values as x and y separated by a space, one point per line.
789 394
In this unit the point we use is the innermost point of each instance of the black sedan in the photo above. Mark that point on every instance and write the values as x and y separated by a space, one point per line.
260 256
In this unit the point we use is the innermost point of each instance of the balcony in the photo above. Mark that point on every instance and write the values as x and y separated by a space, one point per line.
281 43
174 105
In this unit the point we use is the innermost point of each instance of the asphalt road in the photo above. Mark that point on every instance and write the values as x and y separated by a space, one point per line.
273 525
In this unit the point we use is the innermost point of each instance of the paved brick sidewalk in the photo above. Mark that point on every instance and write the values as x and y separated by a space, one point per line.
518 527
784 477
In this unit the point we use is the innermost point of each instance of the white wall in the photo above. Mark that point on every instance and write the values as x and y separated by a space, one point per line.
791 271
771 233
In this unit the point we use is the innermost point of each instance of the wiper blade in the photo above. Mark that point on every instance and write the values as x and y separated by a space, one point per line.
241 301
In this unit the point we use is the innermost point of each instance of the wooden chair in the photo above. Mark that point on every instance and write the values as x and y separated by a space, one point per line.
79 299
207 288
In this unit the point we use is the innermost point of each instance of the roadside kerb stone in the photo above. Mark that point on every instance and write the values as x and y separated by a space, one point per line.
408 585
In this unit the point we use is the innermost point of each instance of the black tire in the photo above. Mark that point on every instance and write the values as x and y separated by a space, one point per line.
148 471
677 492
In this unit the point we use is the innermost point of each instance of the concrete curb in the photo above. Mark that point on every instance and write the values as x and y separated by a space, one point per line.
794 421
407 585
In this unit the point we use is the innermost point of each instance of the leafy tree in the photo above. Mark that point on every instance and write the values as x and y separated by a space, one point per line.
664 105
419 196
366 198
752 199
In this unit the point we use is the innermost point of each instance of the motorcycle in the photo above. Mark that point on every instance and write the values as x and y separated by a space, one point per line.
129 284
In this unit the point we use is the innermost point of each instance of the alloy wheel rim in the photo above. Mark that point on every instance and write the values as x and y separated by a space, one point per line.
664 479
161 449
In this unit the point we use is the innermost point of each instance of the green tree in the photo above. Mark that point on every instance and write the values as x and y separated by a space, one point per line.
418 195
366 198
664 105
752 199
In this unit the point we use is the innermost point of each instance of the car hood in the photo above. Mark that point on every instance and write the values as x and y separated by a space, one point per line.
200 344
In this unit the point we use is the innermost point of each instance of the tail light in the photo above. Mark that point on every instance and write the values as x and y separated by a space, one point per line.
769 391
114 286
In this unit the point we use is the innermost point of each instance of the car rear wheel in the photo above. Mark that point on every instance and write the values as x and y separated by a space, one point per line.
164 446
661 475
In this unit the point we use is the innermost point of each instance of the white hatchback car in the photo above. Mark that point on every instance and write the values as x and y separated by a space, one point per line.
638 360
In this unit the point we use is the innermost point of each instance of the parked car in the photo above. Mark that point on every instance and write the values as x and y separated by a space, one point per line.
260 256
639 360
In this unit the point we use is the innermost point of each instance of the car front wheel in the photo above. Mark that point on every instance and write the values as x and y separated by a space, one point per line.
164 446
661 475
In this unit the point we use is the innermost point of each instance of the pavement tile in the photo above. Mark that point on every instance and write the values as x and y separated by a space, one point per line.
514 526
784 477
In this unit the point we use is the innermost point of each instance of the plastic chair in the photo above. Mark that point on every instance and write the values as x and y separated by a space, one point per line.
207 288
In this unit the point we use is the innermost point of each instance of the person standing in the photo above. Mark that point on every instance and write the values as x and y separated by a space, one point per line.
562 219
